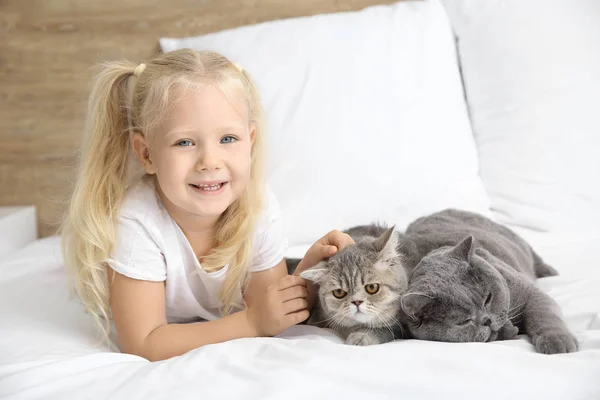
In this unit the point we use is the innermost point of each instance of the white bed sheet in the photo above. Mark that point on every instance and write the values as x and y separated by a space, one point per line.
46 349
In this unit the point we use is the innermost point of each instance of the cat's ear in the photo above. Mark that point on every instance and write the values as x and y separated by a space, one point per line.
316 273
464 250
386 244
413 304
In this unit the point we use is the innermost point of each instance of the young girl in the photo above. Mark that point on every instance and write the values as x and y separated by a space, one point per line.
170 221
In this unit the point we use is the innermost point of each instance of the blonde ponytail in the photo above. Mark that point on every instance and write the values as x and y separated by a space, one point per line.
88 232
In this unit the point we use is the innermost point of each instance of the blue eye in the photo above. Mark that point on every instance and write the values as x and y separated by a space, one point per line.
184 143
228 139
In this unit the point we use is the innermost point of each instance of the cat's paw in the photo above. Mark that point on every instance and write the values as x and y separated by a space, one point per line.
508 332
361 339
555 343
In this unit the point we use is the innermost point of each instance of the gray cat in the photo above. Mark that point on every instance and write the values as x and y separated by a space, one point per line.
360 287
476 283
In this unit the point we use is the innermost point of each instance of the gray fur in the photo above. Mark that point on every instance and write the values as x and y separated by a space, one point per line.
292 264
476 283
374 259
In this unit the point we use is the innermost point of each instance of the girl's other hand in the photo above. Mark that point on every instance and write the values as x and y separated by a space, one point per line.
324 248
283 304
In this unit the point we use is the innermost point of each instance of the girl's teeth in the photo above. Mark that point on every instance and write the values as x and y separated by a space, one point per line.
210 187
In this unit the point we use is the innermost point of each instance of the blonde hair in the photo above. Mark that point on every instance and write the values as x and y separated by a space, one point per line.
119 104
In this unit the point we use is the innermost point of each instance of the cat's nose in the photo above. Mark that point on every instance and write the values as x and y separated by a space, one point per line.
487 321
357 302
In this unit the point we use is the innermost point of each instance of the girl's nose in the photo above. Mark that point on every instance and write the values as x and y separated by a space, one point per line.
208 160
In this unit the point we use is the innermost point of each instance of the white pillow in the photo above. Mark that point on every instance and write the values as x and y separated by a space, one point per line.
366 115
532 77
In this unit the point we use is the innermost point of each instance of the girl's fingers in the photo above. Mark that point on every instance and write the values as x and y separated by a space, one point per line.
328 251
337 239
290 281
297 317
295 292
295 305
317 253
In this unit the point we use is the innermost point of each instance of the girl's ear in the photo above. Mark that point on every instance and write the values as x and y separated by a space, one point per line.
142 150
252 133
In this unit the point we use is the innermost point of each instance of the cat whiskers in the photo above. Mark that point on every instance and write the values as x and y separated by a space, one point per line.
371 326
520 314
517 314
386 325
391 317
337 321
325 321
400 327
385 319
515 307
334 322
376 312
394 320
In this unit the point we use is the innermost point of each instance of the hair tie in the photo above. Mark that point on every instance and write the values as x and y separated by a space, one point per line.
139 69
238 66
130 92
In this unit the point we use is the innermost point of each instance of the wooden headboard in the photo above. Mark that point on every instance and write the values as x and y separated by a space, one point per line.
47 49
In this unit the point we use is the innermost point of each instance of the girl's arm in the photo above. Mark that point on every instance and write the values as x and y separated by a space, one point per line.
275 302
138 311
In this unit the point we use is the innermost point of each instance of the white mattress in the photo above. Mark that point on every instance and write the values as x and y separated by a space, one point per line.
46 349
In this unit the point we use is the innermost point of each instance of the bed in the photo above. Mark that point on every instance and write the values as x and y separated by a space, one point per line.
466 105
48 349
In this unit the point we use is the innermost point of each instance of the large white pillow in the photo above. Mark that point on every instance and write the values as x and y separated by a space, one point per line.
532 76
366 115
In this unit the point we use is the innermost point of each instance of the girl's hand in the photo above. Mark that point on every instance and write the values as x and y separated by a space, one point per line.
324 248
282 305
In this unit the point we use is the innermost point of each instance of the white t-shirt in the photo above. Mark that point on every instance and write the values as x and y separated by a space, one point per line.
150 246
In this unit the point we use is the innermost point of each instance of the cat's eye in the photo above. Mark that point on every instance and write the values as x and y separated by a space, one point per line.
372 288
489 299
466 322
339 293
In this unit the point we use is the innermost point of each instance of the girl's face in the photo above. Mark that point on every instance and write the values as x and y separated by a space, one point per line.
201 154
